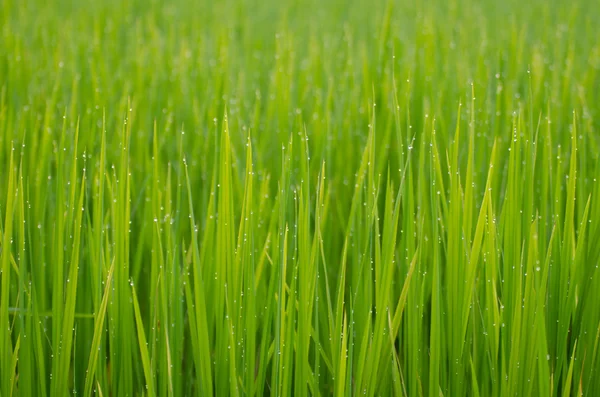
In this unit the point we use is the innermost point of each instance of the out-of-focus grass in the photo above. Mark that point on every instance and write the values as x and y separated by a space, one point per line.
299 198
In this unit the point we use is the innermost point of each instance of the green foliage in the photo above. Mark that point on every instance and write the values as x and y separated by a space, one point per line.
299 198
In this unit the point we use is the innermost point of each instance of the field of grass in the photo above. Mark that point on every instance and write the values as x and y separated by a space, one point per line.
303 197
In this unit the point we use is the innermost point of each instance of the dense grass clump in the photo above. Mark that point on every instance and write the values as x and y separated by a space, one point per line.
299 198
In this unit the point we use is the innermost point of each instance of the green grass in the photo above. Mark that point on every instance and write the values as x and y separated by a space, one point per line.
299 198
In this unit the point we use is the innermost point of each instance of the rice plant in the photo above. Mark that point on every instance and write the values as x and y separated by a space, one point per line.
305 197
